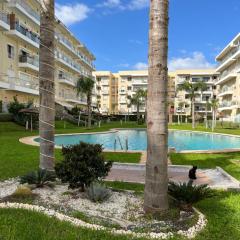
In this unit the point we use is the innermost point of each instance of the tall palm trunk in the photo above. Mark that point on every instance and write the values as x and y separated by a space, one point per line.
138 112
193 113
89 110
156 186
47 86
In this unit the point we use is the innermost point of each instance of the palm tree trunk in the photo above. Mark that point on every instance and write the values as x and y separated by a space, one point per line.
89 110
156 182
213 120
47 86
193 113
138 113
206 115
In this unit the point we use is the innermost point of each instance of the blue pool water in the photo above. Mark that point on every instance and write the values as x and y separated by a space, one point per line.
137 140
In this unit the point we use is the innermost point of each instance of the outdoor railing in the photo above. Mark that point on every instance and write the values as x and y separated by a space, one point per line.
4 17
28 59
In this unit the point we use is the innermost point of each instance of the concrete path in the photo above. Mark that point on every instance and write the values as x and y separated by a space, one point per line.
215 178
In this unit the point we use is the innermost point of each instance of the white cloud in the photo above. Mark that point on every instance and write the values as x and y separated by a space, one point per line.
110 3
70 14
138 4
128 5
196 60
140 66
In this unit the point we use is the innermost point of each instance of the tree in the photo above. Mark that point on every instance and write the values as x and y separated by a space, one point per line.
138 100
181 108
156 182
85 86
192 89
214 106
47 85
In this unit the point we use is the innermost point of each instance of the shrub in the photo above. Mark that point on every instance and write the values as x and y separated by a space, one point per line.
6 117
187 193
98 192
83 164
22 191
39 178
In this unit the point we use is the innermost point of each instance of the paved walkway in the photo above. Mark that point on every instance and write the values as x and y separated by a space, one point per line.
136 173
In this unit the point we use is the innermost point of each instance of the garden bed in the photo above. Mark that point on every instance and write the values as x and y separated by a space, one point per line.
121 213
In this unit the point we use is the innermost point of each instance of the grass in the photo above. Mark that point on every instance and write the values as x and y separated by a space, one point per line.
16 158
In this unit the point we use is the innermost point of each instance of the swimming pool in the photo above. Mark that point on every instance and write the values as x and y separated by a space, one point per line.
137 140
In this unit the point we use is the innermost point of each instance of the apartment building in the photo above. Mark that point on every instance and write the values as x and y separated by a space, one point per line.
19 51
229 81
182 99
114 89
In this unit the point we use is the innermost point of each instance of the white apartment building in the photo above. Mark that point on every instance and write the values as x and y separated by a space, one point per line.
229 81
19 51
182 99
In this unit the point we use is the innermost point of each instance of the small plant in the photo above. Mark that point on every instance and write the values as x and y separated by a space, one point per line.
39 178
187 193
22 194
23 191
83 164
98 192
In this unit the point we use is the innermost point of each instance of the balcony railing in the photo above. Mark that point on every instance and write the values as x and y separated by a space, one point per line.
67 78
30 60
230 54
226 89
4 17
24 31
27 8
72 96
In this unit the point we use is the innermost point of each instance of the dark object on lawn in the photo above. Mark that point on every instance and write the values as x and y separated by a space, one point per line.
192 173
39 178
83 164
187 193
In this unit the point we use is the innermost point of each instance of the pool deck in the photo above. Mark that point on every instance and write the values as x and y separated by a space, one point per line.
135 173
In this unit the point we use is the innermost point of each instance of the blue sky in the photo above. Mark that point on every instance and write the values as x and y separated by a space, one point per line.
116 31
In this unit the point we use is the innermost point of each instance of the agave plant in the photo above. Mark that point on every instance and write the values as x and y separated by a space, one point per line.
187 194
97 192
40 178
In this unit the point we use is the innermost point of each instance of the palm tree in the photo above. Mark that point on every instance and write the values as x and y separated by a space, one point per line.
138 100
181 107
192 89
46 85
85 86
214 105
156 182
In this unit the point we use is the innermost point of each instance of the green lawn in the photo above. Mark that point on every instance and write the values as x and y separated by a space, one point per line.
17 158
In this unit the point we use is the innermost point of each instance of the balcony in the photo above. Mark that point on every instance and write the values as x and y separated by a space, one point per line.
73 98
228 75
67 61
25 83
4 22
140 82
29 62
64 79
23 7
24 34
226 91
231 58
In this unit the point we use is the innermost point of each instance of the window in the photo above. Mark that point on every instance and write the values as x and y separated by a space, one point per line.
98 79
10 50
129 88
129 78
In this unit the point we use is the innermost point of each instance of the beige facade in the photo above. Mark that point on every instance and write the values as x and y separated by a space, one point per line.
114 89
229 81
182 100
19 51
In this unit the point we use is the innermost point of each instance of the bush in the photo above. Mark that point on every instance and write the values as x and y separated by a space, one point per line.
22 191
1 106
6 117
83 164
39 178
98 192
187 193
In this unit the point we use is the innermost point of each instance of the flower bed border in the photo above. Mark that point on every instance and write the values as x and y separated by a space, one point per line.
190 233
